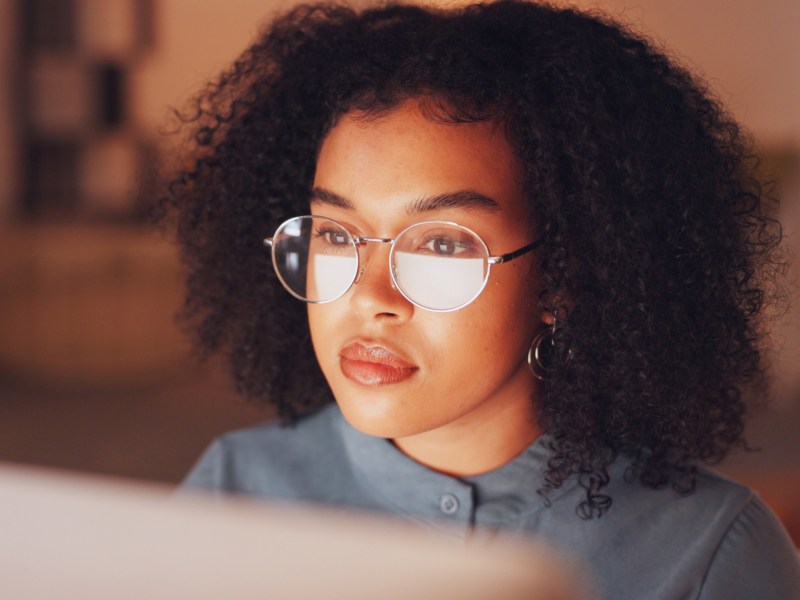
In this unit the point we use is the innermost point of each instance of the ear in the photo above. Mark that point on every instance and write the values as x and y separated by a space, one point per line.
559 308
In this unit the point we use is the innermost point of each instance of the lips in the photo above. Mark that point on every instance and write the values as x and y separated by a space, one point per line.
373 365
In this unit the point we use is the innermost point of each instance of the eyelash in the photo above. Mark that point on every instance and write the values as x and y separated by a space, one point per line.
327 233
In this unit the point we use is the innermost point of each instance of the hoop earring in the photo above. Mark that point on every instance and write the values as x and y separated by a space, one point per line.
541 354
541 346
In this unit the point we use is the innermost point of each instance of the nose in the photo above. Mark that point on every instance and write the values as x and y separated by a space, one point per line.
373 295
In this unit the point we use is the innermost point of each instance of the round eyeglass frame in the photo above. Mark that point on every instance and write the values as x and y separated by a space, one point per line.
360 240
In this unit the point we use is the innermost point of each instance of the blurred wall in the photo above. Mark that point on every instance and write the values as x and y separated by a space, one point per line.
194 41
8 163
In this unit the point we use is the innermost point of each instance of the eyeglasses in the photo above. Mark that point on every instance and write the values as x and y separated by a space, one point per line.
436 265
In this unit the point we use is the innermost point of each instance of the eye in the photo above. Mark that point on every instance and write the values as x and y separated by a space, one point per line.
442 245
333 237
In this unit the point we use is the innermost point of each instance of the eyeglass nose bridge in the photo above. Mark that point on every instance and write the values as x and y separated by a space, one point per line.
360 241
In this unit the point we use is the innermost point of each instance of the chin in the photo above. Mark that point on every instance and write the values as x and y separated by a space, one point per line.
373 417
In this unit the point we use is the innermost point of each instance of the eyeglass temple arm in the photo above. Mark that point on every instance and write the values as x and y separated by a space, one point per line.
268 242
496 260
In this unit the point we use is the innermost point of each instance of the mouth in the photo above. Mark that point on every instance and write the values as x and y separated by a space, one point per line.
374 365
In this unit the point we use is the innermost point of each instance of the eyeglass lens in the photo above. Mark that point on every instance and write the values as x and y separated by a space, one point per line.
435 265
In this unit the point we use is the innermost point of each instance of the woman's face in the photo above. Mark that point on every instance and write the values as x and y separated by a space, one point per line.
396 370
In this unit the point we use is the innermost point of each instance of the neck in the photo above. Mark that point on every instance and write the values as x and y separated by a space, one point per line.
487 438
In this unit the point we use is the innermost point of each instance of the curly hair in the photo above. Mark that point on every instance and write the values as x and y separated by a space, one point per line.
655 231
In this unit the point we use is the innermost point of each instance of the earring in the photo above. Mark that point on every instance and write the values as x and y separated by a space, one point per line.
541 354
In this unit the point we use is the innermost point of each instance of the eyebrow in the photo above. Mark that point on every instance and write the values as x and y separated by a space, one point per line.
468 199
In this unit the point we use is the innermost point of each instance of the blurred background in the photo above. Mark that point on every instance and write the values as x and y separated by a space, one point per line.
94 374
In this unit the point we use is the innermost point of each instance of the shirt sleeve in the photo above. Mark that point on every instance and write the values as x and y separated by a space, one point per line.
755 559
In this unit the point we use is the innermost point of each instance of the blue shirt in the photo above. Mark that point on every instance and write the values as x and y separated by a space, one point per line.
720 542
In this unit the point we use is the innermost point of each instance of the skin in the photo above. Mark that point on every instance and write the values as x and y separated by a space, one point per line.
469 405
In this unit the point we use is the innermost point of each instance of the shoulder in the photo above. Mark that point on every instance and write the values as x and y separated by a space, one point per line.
306 436
753 558
713 504
271 459
720 541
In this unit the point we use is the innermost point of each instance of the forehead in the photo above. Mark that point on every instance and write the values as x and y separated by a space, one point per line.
389 163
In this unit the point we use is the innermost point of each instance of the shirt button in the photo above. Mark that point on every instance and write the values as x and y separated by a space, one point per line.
449 504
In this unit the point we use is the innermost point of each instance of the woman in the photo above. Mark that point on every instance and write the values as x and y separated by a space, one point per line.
529 251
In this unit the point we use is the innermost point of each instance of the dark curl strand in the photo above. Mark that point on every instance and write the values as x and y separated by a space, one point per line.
655 234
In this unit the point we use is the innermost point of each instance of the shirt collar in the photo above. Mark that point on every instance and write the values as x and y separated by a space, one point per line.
414 490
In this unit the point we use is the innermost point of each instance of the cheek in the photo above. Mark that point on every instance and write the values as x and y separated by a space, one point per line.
474 342
320 324
510 317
